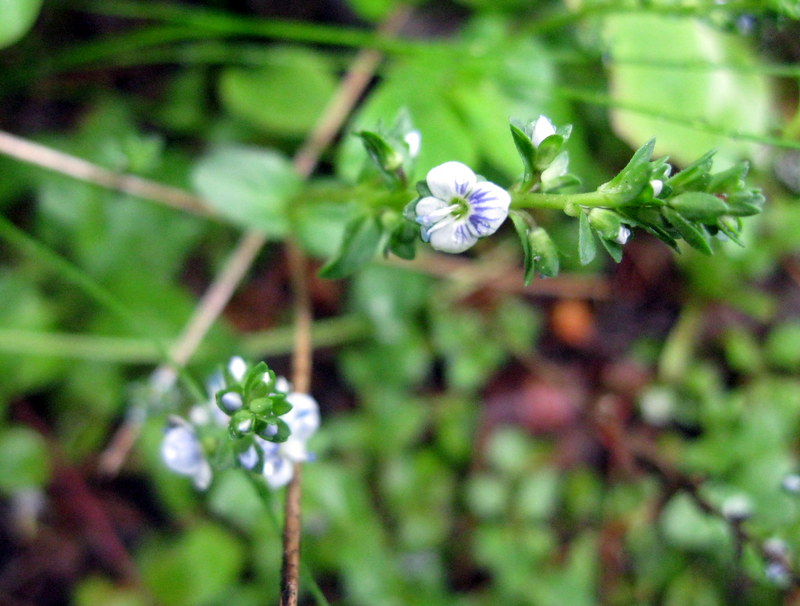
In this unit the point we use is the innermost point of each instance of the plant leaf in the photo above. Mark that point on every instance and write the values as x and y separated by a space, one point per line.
249 186
360 242
587 247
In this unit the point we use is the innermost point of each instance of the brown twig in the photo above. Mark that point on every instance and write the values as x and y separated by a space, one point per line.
78 168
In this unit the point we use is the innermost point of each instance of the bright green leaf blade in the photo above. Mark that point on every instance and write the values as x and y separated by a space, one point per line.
587 247
359 244
285 97
249 186
16 18
725 99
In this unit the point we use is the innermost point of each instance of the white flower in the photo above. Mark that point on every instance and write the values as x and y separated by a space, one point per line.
623 234
542 128
461 209
183 453
279 458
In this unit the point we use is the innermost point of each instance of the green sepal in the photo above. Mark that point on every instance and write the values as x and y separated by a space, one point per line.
698 206
650 220
545 255
521 221
221 394
547 151
403 240
260 406
360 242
255 376
587 248
423 190
745 203
732 231
280 405
694 235
631 180
729 180
526 150
281 431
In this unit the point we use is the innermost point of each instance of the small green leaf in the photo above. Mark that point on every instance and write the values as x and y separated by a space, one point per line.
17 18
614 249
521 225
587 247
403 240
286 96
693 235
545 255
360 242
548 150
698 206
249 186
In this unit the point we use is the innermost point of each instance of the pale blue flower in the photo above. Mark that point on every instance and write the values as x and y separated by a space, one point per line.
182 453
461 209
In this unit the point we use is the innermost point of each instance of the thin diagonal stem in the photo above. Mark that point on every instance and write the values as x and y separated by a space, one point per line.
78 168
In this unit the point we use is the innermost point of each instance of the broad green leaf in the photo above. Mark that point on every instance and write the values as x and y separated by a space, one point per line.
249 186
285 97
587 247
359 244
16 18
646 72
24 461
193 570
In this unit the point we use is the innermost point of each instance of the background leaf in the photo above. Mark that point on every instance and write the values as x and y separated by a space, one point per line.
249 186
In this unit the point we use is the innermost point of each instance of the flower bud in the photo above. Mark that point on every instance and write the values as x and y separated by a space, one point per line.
241 424
607 223
229 402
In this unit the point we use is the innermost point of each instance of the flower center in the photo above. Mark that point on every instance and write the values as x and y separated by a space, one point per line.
459 206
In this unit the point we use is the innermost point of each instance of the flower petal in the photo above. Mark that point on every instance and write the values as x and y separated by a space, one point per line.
452 237
426 206
488 208
303 418
450 179
181 450
542 129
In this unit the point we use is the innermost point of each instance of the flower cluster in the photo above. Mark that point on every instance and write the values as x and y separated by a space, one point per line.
267 424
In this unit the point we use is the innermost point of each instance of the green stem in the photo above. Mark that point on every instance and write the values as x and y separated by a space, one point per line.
329 332
561 201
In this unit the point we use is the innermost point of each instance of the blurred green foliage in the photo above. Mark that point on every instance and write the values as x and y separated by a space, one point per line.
424 491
